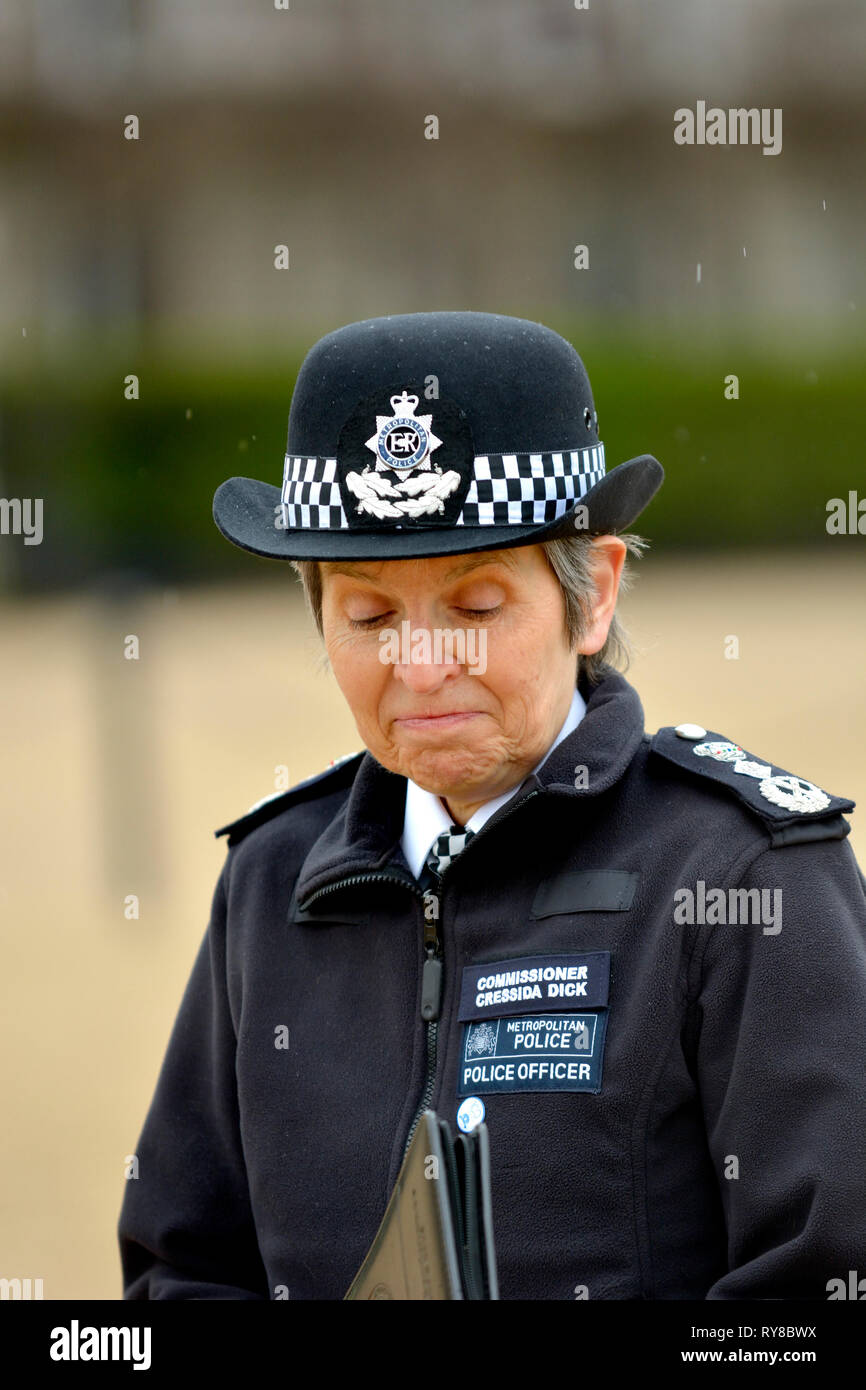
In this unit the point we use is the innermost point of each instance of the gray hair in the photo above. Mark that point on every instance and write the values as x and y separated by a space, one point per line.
570 558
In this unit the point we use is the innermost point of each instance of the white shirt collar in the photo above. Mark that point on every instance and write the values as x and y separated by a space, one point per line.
425 817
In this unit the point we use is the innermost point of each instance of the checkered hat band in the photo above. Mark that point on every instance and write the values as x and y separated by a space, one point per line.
525 489
506 489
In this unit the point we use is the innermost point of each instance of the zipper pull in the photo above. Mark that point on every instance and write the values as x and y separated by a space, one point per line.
431 972
431 989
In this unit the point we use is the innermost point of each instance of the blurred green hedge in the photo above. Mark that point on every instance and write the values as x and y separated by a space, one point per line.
127 485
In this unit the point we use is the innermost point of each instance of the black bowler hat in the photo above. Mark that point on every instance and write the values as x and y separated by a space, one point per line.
436 434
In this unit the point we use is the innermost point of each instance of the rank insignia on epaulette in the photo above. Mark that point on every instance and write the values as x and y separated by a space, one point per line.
789 792
793 808
793 794
722 752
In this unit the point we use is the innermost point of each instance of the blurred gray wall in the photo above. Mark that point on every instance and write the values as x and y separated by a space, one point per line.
306 127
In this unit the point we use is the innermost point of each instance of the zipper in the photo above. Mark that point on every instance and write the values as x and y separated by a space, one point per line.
362 878
433 966
431 1002
432 975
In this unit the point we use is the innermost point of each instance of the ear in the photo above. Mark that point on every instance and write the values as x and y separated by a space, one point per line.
608 558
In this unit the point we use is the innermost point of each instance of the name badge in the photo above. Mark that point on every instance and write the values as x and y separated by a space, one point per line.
539 1052
543 984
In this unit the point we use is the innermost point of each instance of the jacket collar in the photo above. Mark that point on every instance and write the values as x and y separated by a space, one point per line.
364 837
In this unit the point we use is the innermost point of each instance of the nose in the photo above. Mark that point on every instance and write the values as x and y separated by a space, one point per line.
424 663
425 677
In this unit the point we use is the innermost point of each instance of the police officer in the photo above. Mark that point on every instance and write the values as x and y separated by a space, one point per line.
641 959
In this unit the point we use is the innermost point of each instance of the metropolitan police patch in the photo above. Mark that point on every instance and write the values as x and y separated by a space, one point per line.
521 1031
541 1052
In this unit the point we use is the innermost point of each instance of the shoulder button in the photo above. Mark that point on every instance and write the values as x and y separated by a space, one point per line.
690 731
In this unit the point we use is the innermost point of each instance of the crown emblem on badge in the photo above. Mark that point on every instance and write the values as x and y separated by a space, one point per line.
402 444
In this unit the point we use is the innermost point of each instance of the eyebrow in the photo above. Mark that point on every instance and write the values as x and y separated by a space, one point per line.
475 562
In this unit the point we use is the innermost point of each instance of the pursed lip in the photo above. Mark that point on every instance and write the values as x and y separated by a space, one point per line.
428 722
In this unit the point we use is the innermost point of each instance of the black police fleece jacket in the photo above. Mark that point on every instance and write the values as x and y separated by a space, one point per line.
672 1068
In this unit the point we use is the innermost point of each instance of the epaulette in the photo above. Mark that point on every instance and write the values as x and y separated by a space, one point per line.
339 770
792 809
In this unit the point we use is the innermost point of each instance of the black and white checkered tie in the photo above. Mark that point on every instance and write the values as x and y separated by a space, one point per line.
446 847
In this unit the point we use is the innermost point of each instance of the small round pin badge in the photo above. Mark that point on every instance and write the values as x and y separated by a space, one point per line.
471 1113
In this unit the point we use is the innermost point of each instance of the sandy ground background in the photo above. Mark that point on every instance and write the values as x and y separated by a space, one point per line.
117 772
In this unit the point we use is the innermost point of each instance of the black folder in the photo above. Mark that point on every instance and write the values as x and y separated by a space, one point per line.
436 1237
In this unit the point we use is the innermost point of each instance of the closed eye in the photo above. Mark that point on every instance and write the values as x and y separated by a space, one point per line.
368 624
480 612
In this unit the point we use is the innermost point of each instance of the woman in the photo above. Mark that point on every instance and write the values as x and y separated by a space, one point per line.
640 959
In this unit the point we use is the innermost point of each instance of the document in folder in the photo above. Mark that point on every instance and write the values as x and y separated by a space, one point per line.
436 1237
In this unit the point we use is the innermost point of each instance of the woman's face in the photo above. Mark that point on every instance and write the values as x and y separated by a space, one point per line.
467 733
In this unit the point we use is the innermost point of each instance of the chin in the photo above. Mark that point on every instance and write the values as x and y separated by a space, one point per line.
448 772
